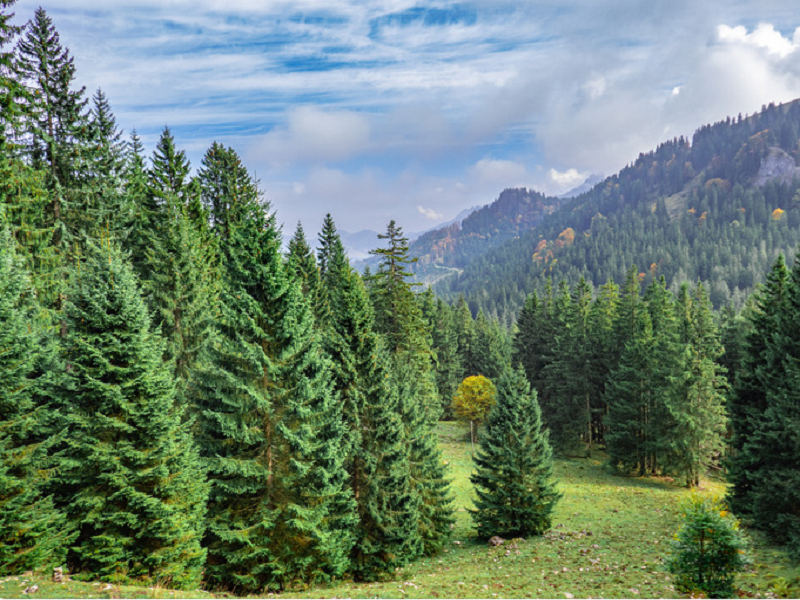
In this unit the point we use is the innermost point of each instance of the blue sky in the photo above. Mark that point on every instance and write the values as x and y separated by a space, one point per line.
414 110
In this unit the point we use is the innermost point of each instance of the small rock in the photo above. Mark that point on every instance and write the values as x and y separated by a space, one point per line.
496 540
58 574
31 590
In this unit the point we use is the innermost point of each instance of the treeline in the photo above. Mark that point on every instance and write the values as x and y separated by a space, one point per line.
637 374
179 400
668 388
688 212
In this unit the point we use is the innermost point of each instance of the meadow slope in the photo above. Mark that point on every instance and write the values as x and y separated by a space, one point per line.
609 538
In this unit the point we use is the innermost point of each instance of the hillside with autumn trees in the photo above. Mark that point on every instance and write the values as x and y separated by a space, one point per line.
717 208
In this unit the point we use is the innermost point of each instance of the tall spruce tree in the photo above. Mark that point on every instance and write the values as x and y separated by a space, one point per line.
759 371
378 468
33 534
697 407
270 430
516 493
129 475
775 494
399 319
58 126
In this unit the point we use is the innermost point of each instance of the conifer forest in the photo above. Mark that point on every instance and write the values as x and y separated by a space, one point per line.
192 398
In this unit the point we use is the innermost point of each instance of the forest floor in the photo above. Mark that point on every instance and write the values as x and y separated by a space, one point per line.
609 538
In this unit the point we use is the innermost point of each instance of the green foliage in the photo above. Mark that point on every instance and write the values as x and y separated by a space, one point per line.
129 476
708 551
514 483
33 534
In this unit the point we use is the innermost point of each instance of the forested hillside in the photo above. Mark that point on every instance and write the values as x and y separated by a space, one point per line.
441 251
717 210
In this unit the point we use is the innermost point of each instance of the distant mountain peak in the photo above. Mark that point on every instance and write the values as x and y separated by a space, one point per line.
588 184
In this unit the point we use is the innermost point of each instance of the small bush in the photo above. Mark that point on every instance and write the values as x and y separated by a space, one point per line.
709 549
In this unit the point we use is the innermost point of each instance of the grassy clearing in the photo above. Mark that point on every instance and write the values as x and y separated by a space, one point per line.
609 537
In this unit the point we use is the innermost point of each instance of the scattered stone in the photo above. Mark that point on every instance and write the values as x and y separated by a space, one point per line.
496 540
58 574
31 590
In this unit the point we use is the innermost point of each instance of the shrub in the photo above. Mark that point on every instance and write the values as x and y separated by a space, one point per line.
709 549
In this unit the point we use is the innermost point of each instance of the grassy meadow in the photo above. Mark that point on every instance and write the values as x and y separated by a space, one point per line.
609 538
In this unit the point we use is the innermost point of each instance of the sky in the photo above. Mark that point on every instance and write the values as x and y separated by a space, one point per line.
413 110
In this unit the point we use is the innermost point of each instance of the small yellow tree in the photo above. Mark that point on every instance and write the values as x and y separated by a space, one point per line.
474 399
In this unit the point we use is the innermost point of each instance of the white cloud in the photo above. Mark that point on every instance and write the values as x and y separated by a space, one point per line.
566 180
763 36
596 87
313 135
429 213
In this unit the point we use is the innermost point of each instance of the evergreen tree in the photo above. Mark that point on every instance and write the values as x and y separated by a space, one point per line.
698 406
270 430
775 444
373 442
129 475
758 372
465 336
629 390
399 319
58 126
602 317
33 534
514 483
567 378
303 265
449 367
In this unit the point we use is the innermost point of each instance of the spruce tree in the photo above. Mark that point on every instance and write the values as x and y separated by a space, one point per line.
270 431
398 318
514 483
759 371
303 265
697 408
775 444
629 390
33 534
129 476
377 465
58 126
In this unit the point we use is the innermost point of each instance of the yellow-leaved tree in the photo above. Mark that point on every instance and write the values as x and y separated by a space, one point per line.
474 399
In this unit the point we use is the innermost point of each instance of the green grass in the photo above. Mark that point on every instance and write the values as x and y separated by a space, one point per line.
609 538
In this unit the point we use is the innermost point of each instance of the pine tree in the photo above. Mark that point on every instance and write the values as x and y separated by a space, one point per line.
303 265
748 403
269 427
129 475
698 406
465 336
629 390
377 465
602 318
58 126
398 318
445 343
33 534
14 97
567 378
514 483
775 444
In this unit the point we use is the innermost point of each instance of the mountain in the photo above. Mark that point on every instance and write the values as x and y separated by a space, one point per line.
359 244
588 184
446 250
717 209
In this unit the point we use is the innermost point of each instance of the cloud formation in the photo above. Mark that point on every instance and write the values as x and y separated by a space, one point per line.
415 109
